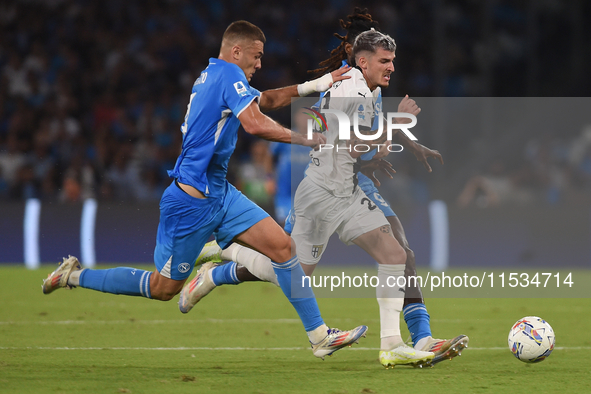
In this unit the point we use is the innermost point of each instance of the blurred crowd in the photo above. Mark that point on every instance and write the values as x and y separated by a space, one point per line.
551 170
93 93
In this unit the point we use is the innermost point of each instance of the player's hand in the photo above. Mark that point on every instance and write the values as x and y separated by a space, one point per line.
422 153
382 151
316 141
337 75
409 106
368 169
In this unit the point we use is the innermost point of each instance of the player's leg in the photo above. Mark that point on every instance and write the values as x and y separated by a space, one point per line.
267 238
180 237
251 265
120 280
413 292
245 264
264 237
415 311
309 202
244 275
390 296
367 227
248 224
242 264
390 293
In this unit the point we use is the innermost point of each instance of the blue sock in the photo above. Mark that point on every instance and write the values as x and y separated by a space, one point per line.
225 274
417 319
289 276
122 280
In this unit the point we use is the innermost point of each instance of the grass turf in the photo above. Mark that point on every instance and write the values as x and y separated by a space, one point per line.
248 339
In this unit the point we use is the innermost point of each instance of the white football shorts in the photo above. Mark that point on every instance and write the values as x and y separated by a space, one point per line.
319 214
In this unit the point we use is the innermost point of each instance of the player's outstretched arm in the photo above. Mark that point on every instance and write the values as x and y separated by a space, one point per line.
369 168
256 123
278 98
421 152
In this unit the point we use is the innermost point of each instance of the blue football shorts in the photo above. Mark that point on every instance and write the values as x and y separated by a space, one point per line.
372 192
187 223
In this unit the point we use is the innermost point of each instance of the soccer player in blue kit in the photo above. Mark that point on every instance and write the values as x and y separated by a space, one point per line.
200 201
415 311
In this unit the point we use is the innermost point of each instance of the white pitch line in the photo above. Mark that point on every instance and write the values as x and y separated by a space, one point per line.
129 321
245 348
189 321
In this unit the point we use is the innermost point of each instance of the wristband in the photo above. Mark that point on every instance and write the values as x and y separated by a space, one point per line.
316 85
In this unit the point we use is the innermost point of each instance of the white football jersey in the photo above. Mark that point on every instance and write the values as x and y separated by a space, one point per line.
332 169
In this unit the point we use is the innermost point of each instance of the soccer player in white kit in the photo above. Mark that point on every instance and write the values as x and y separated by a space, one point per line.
328 199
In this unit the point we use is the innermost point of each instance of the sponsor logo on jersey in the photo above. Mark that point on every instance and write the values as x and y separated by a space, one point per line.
240 88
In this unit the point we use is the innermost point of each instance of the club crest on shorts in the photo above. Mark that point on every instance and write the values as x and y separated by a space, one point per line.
184 267
317 250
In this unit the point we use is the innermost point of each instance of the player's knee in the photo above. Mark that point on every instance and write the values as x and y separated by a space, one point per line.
283 249
286 247
398 255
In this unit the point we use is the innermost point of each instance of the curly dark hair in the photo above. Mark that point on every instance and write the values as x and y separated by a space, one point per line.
357 23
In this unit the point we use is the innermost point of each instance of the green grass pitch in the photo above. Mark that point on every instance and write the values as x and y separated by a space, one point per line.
248 339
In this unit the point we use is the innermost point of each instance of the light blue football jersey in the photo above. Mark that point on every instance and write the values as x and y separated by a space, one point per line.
210 129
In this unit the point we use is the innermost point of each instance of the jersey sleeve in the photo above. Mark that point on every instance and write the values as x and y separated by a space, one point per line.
237 93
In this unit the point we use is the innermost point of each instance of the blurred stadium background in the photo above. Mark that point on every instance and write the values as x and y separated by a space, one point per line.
92 96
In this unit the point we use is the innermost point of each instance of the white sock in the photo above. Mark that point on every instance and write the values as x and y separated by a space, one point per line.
258 264
318 334
422 342
210 275
390 300
74 279
229 251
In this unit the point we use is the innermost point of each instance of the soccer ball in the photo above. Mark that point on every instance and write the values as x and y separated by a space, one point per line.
531 339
